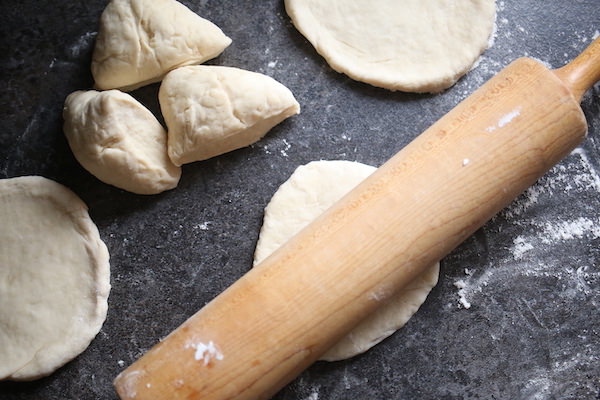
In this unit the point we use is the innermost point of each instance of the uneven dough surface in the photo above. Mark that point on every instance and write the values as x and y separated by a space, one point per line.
212 110
54 277
311 190
139 41
119 141
408 45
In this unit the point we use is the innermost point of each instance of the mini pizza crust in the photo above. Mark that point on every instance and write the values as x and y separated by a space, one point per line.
409 45
212 110
139 41
119 141
54 277
311 190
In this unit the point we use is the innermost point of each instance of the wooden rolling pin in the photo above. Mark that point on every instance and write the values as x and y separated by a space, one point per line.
280 317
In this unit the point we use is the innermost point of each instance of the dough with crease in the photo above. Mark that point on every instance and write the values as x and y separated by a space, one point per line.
310 190
212 110
408 45
139 41
54 277
119 141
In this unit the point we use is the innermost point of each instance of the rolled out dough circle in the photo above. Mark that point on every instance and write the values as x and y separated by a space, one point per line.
311 190
408 45
54 277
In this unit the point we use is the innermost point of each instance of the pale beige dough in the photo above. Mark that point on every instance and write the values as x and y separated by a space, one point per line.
54 277
139 41
211 110
119 141
311 190
408 45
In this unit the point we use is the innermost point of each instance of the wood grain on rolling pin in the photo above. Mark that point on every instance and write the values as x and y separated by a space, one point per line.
278 319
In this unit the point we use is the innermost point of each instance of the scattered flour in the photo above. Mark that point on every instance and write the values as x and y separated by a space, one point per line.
541 225
287 146
313 396
203 226
520 247
566 230
461 285
83 42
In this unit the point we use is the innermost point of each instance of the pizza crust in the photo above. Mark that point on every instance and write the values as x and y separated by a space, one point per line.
409 45
311 190
54 277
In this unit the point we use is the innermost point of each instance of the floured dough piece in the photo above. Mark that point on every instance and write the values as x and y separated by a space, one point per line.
409 45
213 110
311 190
139 41
54 277
119 141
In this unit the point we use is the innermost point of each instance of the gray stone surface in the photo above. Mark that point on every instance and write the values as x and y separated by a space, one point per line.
531 275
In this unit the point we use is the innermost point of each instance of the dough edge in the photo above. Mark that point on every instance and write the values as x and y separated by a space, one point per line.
64 198
320 40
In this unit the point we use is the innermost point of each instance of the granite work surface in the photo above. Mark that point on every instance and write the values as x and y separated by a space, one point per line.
516 313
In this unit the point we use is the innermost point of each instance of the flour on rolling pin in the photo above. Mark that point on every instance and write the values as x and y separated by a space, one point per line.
205 352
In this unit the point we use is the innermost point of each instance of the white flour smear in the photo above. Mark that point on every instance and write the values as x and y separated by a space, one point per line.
557 214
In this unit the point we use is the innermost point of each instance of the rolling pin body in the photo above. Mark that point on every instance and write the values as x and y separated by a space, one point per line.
283 315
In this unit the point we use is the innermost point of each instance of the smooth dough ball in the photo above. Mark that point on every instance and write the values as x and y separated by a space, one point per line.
54 277
119 141
311 190
409 45
139 41
212 110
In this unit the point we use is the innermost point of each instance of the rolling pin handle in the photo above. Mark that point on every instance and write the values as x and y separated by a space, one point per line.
583 72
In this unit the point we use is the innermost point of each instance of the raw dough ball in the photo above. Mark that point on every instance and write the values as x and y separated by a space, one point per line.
311 190
212 110
119 141
409 45
54 277
139 41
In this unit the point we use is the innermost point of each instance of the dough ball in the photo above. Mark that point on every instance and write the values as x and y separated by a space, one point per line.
311 190
119 141
139 41
409 45
213 110
54 277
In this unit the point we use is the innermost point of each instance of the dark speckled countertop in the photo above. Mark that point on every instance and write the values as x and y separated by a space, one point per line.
516 314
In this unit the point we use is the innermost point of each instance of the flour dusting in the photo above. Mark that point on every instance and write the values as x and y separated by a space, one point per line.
570 229
506 119
205 352
521 246
543 225
84 42
313 396
462 299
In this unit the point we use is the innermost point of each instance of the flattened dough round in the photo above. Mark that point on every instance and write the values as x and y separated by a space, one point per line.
408 45
54 277
311 190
